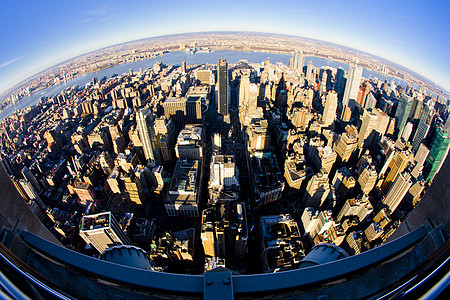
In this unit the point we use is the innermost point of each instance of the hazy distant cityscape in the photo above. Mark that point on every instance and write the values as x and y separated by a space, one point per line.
205 42
213 165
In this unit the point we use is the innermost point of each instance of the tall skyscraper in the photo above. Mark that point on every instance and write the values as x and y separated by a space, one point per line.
352 87
317 190
299 61
330 107
244 90
402 112
368 179
407 130
147 136
371 101
345 146
369 124
398 190
222 78
397 165
309 72
340 82
383 121
424 126
102 231
28 175
438 153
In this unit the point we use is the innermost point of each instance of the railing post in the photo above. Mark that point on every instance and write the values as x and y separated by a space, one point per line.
218 285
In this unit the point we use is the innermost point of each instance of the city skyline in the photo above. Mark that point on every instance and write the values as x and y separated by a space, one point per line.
50 33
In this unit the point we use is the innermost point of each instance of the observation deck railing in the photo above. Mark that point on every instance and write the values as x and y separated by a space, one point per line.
414 264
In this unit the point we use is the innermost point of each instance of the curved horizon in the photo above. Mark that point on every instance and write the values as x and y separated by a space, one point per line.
50 33
185 34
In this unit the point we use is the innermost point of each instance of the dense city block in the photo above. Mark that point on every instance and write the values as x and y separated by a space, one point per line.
252 167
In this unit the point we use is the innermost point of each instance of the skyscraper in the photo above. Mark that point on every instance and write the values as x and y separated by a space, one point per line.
355 207
397 165
28 175
407 130
402 112
102 231
147 136
398 190
329 111
244 90
345 146
317 190
299 61
222 78
369 124
423 127
368 179
352 86
309 72
438 153
340 82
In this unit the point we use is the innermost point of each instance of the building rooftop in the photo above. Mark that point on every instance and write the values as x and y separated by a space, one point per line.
101 220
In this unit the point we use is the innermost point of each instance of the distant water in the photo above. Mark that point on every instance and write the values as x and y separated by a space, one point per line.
174 58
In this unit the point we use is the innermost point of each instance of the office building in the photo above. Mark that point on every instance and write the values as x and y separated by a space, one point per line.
373 232
345 145
363 92
106 162
281 248
369 124
183 110
223 171
30 192
258 137
309 74
321 157
339 84
438 152
296 175
355 207
398 163
223 181
368 179
316 222
352 86
300 118
371 101
267 179
317 190
407 130
189 143
343 182
424 126
222 81
299 61
145 128
84 192
204 76
398 190
330 107
402 112
102 231
134 189
224 231
28 175
383 121
182 197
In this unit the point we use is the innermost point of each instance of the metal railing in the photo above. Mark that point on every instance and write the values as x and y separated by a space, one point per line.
218 284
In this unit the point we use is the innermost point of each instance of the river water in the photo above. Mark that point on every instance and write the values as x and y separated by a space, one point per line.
174 58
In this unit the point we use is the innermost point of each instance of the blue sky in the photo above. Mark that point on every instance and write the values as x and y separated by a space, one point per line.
38 34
